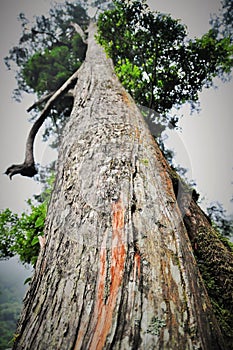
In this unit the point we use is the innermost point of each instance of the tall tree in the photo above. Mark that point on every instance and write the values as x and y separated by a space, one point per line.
116 269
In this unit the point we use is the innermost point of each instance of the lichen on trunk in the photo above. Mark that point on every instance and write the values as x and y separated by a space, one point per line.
117 270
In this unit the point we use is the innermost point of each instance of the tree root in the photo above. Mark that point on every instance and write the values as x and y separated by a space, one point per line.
28 168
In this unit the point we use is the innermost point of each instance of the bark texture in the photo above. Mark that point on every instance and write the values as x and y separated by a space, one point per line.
117 270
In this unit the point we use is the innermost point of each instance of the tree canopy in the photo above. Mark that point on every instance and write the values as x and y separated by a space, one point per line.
152 54
155 60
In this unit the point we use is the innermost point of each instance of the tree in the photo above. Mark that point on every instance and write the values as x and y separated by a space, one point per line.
117 268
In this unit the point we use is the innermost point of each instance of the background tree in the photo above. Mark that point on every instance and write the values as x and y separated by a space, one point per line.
222 22
49 51
119 201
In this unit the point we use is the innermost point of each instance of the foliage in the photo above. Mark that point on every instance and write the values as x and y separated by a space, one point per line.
155 61
19 234
220 220
222 22
47 38
48 52
47 71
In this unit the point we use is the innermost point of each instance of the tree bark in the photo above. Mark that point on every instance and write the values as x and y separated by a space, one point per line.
117 270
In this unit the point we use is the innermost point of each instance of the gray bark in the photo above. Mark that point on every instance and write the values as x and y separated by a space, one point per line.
117 270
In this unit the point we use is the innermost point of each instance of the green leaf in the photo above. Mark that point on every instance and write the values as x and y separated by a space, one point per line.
35 241
28 280
39 222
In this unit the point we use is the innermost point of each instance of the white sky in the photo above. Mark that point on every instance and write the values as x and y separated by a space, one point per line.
206 138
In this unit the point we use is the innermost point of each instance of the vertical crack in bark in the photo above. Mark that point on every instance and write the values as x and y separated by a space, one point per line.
80 330
136 293
134 199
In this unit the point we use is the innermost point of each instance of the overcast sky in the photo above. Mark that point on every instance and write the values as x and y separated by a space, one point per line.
205 142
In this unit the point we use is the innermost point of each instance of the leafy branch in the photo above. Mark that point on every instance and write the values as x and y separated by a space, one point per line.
19 235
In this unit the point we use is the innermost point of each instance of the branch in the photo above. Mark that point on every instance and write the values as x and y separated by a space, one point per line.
69 93
79 30
40 101
27 168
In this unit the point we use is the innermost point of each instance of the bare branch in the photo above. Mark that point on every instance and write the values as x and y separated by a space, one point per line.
40 101
79 30
27 168
46 97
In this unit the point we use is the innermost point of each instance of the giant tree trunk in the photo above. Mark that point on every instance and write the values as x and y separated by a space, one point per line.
117 270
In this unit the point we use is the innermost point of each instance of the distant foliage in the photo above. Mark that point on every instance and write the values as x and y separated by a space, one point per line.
48 52
45 43
223 21
218 216
47 71
9 315
12 292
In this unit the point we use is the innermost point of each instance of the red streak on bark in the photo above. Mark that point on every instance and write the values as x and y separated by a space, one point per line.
103 312
137 265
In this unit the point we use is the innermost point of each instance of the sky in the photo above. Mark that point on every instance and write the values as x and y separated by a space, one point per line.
204 143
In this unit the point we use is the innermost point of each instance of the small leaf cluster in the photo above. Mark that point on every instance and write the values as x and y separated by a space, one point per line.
19 233
155 61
